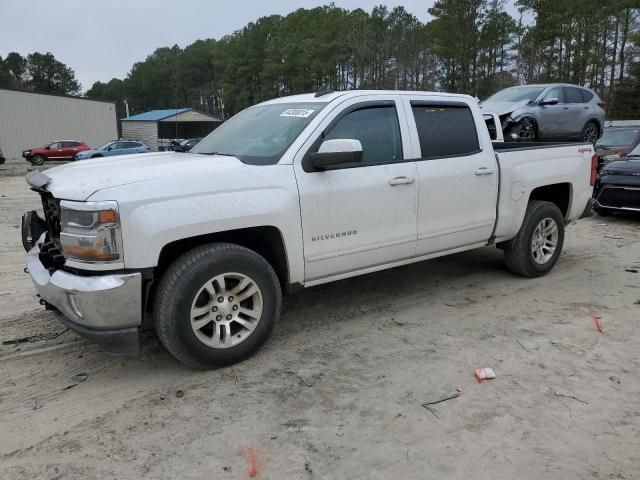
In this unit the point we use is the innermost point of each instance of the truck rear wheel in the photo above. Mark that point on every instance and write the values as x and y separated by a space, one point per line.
216 305
536 248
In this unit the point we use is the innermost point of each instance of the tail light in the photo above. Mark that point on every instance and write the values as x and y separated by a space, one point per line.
602 104
595 163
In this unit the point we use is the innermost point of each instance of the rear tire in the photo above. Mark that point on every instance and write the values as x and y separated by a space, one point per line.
536 248
216 305
590 132
37 160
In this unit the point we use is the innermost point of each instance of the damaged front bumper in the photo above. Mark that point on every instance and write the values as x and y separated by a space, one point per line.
106 309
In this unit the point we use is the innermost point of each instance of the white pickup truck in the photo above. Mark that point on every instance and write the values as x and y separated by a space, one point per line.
293 192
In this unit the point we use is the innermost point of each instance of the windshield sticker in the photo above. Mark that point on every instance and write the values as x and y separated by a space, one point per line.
297 112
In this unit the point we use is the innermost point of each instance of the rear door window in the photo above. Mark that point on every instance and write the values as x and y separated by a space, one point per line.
572 95
445 130
587 96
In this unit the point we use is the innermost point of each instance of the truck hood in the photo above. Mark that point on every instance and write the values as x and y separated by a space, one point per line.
502 108
79 180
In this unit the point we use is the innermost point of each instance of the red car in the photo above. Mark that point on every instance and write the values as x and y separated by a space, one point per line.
58 150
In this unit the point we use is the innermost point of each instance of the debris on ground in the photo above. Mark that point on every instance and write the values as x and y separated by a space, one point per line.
450 396
597 323
614 237
179 394
483 374
631 270
34 338
251 454
615 379
572 397
80 377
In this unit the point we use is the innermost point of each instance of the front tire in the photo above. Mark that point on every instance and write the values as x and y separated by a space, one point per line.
522 131
37 160
216 305
536 248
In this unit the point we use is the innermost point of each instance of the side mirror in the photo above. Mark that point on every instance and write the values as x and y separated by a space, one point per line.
48 147
339 151
109 149
548 101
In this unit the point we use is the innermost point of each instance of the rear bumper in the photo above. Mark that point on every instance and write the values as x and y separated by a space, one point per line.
106 309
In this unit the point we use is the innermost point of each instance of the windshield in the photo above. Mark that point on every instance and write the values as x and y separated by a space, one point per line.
516 94
613 137
104 147
260 135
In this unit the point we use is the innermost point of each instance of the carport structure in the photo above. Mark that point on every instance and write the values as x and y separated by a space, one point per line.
157 128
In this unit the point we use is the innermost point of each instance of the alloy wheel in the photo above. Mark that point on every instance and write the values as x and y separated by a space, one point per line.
544 241
226 310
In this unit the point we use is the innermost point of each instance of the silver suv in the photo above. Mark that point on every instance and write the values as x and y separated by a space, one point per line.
552 111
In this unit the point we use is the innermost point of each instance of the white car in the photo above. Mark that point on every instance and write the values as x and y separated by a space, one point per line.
294 192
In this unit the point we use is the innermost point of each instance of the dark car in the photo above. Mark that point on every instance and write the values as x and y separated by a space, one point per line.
618 188
617 142
185 145
58 150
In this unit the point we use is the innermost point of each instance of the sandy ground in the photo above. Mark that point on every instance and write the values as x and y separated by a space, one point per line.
338 391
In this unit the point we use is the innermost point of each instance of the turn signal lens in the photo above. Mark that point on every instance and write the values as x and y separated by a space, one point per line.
107 216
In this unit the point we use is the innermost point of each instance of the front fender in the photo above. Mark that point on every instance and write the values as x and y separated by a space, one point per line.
158 212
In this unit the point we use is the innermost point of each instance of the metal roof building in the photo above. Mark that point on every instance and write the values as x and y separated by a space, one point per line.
157 128
30 120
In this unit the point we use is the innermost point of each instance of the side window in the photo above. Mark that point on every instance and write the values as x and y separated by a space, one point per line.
378 130
55 145
572 95
120 145
555 92
445 130
587 96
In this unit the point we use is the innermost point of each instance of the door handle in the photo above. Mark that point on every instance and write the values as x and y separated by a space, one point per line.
485 171
401 181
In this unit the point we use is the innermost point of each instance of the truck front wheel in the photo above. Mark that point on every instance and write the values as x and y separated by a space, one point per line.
216 305
537 246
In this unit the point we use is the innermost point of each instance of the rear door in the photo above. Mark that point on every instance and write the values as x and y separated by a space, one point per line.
365 215
579 111
457 172
69 149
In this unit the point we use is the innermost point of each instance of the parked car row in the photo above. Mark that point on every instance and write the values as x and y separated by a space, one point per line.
74 150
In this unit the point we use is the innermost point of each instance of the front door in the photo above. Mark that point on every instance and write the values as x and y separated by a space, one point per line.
363 216
555 120
458 176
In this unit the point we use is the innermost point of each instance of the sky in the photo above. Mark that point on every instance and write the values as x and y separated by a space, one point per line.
102 39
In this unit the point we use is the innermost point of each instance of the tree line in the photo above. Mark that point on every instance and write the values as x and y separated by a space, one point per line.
38 72
469 46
